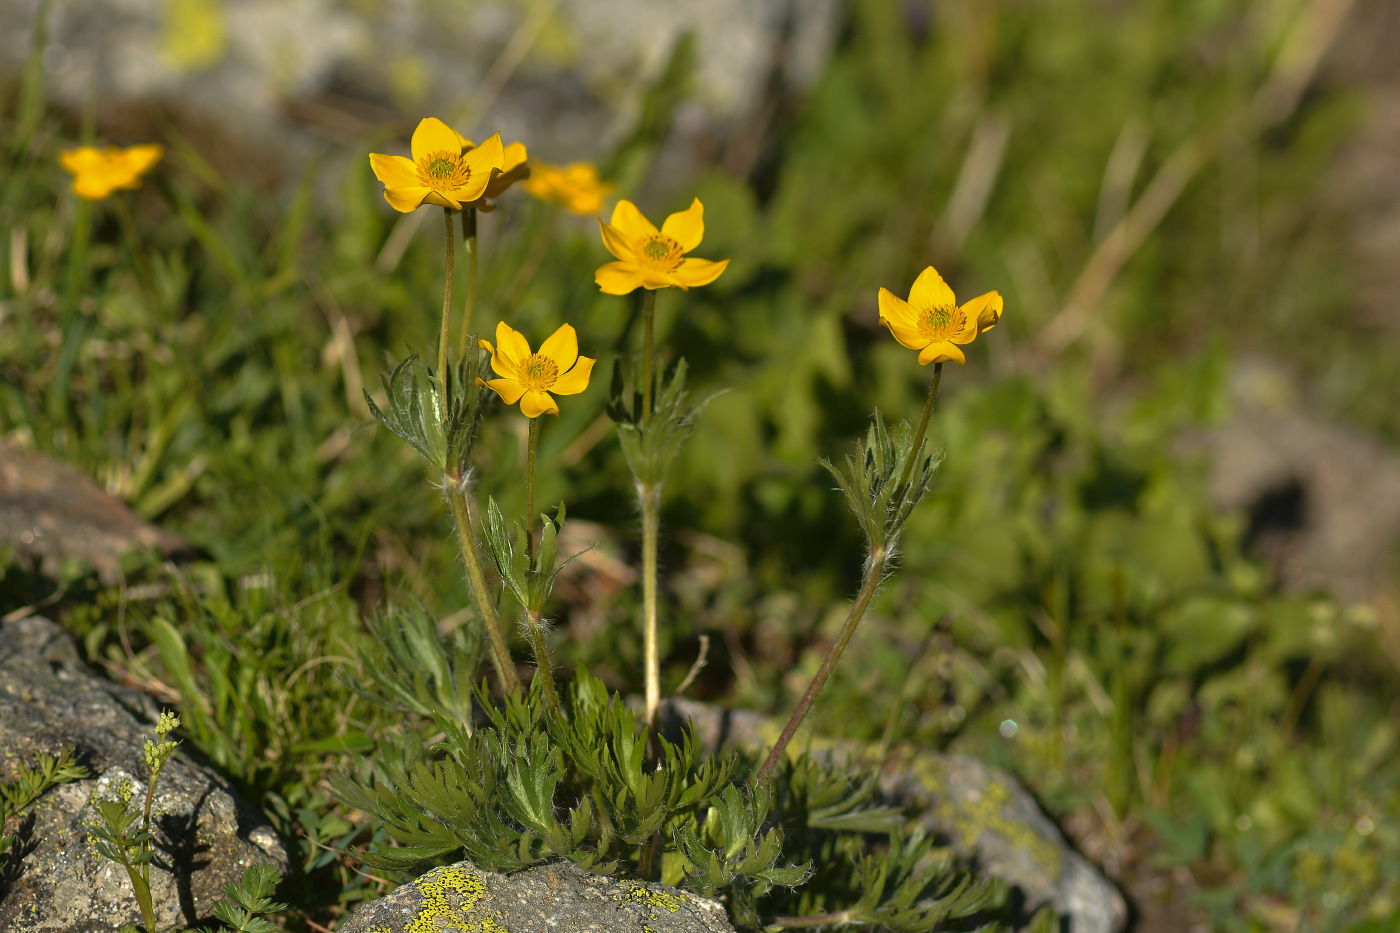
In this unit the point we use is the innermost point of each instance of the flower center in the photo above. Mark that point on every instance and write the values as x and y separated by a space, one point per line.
538 373
443 171
941 322
661 251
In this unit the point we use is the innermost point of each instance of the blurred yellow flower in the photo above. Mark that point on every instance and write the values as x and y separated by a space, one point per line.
652 258
98 172
446 169
932 322
528 378
575 187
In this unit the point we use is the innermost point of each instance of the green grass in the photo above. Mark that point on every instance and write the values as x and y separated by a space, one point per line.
1192 724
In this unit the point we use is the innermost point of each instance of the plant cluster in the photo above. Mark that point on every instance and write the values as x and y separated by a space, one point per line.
1071 606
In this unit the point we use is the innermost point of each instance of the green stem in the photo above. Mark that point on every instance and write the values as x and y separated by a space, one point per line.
650 497
543 669
445 331
466 539
923 429
530 488
873 573
649 317
469 241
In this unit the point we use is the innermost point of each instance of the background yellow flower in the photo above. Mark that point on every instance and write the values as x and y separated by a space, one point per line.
575 187
98 172
529 378
651 258
932 322
446 168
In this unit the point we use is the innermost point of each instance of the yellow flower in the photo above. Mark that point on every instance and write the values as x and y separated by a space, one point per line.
447 169
528 378
575 187
98 172
932 321
653 258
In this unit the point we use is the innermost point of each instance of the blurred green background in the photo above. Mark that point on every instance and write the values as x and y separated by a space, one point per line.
1185 204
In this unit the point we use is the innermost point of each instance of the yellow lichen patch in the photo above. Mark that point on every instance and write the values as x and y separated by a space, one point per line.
985 811
450 895
652 897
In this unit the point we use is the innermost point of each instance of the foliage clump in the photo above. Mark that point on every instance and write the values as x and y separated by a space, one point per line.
529 784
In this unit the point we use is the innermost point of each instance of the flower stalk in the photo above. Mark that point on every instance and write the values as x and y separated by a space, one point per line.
469 241
648 352
923 428
874 570
460 503
530 447
650 498
544 670
445 332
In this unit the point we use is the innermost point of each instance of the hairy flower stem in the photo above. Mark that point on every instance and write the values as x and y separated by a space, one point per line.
470 243
873 571
649 319
445 332
543 669
650 497
466 540
923 429
530 488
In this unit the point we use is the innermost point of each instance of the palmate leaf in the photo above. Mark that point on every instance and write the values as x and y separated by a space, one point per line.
870 480
412 670
413 399
651 449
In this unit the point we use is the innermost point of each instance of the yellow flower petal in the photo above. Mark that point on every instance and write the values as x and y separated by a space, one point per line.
488 155
687 227
394 171
484 162
93 187
894 308
617 242
630 222
432 135
406 200
508 389
442 199
77 161
941 351
140 159
561 347
513 346
500 181
536 403
930 291
513 157
985 310
907 335
694 272
575 380
618 278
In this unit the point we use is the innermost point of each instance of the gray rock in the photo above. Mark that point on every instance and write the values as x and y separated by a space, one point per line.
205 835
53 516
1323 498
567 77
986 816
560 898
